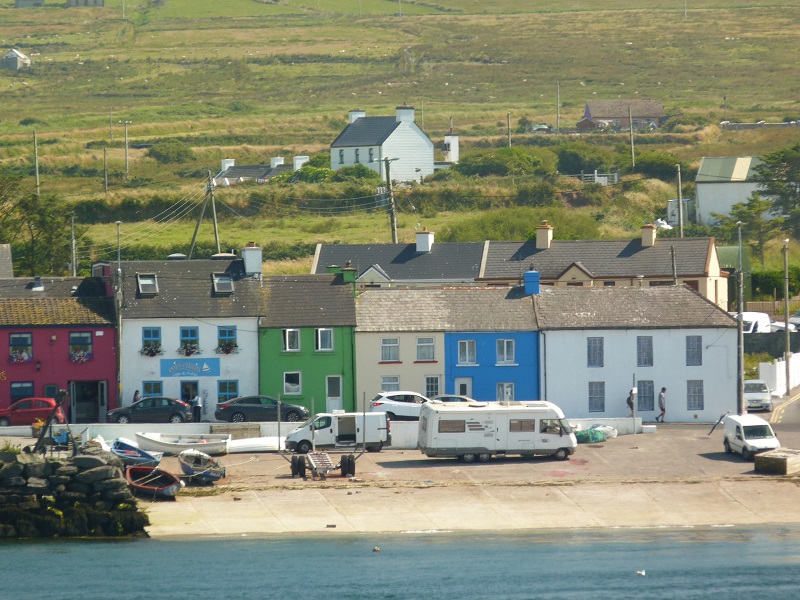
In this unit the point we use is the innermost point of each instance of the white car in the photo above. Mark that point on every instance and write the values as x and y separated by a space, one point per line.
399 406
757 395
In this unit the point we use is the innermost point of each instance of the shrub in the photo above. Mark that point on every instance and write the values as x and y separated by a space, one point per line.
171 151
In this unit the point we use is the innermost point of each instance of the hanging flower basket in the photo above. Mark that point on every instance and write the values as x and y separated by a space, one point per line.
81 356
20 356
151 350
189 349
228 349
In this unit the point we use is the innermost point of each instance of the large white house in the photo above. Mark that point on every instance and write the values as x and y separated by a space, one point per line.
599 342
721 182
377 141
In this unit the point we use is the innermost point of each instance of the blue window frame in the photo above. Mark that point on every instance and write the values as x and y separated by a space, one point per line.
20 346
227 390
151 336
152 388
21 389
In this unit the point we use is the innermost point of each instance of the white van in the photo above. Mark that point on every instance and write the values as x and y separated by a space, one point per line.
485 429
755 322
748 435
341 430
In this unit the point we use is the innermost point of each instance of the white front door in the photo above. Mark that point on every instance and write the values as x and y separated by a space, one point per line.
333 393
463 386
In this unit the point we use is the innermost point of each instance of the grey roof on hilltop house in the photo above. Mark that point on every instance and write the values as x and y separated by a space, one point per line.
618 108
444 309
599 258
366 131
308 301
185 290
662 307
454 261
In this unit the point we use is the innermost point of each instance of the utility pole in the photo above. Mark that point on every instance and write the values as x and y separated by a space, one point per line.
105 170
680 203
126 123
392 208
633 153
36 160
740 332
111 124
119 260
72 246
558 107
787 351
209 196
508 127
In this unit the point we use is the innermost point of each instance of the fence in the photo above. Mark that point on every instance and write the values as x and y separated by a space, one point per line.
603 179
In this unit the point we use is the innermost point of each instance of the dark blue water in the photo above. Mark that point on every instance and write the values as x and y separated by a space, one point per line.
679 563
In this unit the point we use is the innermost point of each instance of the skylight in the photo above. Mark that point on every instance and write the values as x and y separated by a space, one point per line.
147 283
223 284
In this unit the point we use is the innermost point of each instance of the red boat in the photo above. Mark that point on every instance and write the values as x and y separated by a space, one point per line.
152 482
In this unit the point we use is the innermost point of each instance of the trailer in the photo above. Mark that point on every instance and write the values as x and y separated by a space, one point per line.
480 430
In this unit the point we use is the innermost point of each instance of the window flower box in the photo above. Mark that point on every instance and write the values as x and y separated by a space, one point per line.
20 356
189 349
80 356
228 348
151 350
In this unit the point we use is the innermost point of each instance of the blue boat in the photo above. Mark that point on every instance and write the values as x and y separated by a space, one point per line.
131 454
200 467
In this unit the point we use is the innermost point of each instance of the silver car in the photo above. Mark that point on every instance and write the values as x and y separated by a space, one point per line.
757 395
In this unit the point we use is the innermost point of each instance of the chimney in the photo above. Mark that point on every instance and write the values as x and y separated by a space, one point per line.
451 148
349 273
649 235
357 114
275 161
333 269
405 113
226 164
531 281
37 286
424 241
544 236
252 256
298 162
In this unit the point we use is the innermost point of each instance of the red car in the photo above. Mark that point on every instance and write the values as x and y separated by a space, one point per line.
27 410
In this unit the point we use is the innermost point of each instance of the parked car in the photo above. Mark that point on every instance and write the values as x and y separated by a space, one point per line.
757 395
258 408
780 326
28 410
795 319
399 406
154 409
452 398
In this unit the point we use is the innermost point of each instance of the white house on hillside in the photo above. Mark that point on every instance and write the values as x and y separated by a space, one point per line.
721 182
372 140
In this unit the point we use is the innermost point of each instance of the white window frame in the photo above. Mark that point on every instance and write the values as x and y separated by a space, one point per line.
426 345
505 352
505 391
322 333
644 350
695 395
465 348
433 385
595 352
390 349
147 284
390 383
290 335
597 396
694 350
645 395
288 389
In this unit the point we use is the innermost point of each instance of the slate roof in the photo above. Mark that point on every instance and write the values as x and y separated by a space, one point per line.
308 301
727 169
662 307
453 261
57 304
253 172
185 290
444 309
366 131
618 109
599 258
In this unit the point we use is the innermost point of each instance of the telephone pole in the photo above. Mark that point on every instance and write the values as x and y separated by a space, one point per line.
126 123
392 208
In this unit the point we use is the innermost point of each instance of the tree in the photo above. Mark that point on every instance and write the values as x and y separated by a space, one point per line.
756 230
506 161
778 177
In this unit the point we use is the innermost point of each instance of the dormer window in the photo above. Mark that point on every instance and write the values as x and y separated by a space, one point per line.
147 284
223 283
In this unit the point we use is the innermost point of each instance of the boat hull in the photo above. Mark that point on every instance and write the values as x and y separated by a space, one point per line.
130 454
200 467
212 444
152 482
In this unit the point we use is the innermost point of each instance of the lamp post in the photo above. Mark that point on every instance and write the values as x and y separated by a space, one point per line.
740 332
787 350
126 123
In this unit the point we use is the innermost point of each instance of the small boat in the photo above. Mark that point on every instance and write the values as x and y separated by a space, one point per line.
175 443
200 467
153 482
257 444
130 453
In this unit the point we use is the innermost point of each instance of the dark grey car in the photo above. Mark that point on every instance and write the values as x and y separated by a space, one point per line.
258 408
155 409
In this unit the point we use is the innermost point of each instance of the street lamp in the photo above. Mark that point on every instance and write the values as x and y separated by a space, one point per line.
126 123
787 350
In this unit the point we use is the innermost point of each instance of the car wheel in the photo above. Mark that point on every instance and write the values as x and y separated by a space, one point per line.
176 419
484 456
561 454
746 454
390 416
375 447
294 465
303 447
123 419
351 465
301 466
292 416
468 457
4 422
238 417
727 447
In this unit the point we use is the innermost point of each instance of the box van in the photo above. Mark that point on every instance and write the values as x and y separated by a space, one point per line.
481 430
755 322
341 430
748 435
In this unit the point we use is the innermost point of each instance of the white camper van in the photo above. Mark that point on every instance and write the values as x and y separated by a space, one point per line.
341 430
481 430
748 435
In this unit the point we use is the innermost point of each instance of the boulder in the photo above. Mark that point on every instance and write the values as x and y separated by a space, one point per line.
109 484
11 470
86 461
98 474
67 470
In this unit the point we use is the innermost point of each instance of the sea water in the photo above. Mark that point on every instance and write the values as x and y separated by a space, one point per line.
651 563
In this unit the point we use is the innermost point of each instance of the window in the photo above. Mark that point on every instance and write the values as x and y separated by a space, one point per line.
21 389
371 155
324 340
609 283
519 425
505 391
390 383
341 157
594 350
147 284
358 159
431 386
694 350
223 283
291 340
227 390
550 426
645 399
151 336
597 396
425 348
694 395
226 340
190 341
390 350
152 388
20 347
291 383
80 346
452 426
644 351
505 352
466 352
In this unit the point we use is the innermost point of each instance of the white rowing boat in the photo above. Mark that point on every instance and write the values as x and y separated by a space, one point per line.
175 443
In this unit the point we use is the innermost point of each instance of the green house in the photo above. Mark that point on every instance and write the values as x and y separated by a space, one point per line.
306 349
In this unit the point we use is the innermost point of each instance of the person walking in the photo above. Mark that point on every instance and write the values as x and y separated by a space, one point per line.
662 405
136 396
197 409
630 402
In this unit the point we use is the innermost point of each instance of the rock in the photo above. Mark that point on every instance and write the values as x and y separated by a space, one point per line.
109 484
56 480
41 470
14 482
11 470
67 470
85 461
8 457
97 474
38 486
79 488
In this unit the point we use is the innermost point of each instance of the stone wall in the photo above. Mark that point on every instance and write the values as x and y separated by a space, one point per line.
79 496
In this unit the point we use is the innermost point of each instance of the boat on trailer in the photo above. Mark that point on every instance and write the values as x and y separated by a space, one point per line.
130 453
153 482
200 467
175 443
